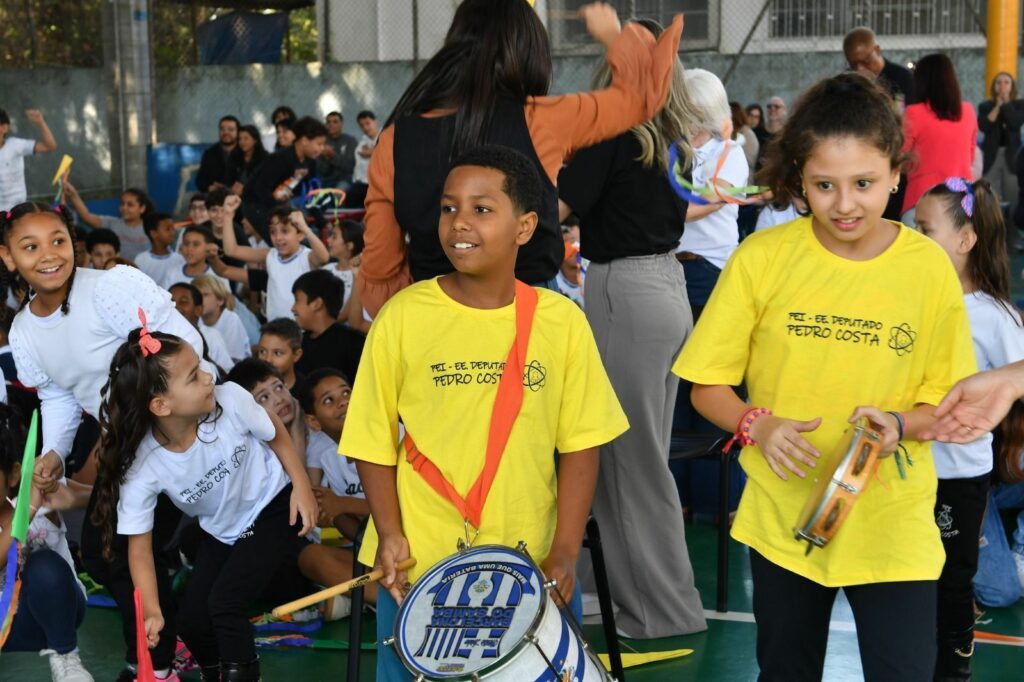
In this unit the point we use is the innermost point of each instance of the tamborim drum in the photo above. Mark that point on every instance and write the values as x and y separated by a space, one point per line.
843 478
485 613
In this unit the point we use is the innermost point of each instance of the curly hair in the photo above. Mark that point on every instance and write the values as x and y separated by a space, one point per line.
13 281
847 105
125 419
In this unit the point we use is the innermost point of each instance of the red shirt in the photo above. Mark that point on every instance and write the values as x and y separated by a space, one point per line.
938 148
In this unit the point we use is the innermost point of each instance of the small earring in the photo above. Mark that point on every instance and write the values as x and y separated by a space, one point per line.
894 189
803 191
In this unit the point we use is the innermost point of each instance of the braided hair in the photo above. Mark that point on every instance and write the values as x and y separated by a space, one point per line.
13 281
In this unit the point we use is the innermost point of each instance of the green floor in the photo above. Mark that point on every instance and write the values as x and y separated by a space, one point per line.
724 652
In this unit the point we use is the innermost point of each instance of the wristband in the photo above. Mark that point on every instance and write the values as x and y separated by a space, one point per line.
742 433
901 423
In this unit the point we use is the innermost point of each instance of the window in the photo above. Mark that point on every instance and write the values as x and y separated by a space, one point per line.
833 18
568 35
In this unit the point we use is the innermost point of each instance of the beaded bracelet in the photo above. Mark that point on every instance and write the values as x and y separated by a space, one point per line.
742 433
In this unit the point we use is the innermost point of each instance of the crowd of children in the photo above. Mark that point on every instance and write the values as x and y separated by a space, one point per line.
226 361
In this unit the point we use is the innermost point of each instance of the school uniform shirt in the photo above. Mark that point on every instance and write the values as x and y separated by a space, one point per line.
164 270
998 340
230 327
224 479
281 275
67 357
816 335
435 364
187 278
43 534
347 277
217 349
133 238
337 346
715 236
340 473
12 171
571 290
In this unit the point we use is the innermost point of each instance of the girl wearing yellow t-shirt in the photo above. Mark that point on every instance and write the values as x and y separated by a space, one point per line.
835 316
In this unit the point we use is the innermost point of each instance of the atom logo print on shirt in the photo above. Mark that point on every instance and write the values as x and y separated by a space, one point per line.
850 330
484 373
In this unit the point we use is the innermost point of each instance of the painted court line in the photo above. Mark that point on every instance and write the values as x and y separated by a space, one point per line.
980 637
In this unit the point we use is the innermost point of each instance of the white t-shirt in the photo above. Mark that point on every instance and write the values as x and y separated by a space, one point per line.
574 292
348 277
771 216
67 357
230 327
340 473
45 534
998 340
164 270
12 171
225 479
361 172
716 236
218 349
133 238
187 278
282 275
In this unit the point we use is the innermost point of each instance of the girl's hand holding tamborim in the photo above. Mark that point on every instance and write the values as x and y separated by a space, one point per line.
782 445
883 422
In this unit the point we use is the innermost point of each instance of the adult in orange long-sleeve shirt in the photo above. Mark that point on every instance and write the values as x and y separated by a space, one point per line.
488 84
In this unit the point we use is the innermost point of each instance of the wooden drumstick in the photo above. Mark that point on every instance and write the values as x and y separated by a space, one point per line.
341 588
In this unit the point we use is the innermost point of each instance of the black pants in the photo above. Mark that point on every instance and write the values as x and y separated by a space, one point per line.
895 626
116 577
227 579
959 510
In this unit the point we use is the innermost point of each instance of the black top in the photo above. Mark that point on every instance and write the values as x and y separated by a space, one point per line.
422 147
341 166
278 167
214 167
1004 132
338 346
624 208
240 170
898 81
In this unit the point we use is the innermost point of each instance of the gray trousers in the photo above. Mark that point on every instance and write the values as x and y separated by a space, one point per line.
638 310
1003 180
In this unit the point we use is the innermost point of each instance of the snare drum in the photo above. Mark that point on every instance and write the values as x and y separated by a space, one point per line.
485 613
844 477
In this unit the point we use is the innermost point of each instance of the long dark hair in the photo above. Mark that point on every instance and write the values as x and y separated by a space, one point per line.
493 49
140 196
125 419
936 84
847 105
988 266
13 281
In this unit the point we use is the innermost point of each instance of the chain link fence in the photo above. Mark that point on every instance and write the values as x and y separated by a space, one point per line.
245 58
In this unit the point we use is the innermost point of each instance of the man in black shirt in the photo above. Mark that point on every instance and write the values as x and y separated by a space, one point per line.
214 168
325 341
864 56
280 176
339 157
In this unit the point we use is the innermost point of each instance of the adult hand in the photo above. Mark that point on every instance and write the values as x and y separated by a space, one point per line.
884 423
602 22
782 444
393 548
975 405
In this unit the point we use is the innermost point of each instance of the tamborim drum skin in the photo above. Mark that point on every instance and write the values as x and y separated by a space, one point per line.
844 476
485 613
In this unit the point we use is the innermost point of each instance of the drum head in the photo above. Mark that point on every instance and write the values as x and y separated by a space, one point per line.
469 612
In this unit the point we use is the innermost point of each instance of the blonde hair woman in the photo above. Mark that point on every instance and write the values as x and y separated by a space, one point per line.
635 300
219 313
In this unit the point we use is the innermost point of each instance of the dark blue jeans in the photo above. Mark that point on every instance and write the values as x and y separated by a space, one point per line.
701 278
50 608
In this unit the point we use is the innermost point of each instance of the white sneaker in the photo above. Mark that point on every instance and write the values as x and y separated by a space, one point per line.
1018 560
337 607
66 667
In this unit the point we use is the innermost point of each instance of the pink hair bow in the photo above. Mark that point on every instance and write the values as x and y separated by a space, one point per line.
147 343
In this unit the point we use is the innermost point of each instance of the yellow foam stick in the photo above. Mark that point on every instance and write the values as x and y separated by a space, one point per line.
631 660
64 167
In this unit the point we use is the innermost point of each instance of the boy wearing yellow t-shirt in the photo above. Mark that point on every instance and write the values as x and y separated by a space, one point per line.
434 358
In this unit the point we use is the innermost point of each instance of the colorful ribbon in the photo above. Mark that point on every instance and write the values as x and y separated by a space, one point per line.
967 189
19 531
147 343
713 193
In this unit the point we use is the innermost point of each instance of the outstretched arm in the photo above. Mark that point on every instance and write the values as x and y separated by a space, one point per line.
45 143
87 216
231 246
318 255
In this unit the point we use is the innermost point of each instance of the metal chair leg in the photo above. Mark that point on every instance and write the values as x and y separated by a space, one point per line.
355 623
604 597
722 588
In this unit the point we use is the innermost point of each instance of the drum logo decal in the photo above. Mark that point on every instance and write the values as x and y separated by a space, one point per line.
473 607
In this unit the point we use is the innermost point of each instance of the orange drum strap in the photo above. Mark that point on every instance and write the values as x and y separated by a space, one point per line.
507 404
